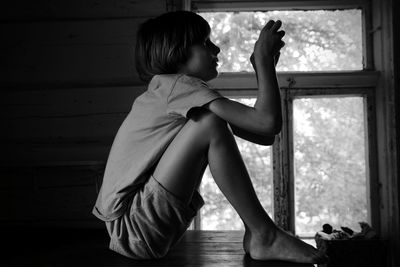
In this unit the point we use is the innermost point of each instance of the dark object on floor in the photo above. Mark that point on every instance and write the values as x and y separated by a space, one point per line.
347 248
355 253
327 228
328 233
367 232
347 230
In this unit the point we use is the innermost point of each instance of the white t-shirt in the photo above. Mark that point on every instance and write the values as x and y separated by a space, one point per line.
154 120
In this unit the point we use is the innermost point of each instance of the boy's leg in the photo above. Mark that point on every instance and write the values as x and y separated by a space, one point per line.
206 136
182 165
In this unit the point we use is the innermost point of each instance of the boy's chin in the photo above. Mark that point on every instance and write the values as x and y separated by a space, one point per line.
206 76
211 77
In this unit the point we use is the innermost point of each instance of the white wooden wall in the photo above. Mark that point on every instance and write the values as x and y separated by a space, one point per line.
67 82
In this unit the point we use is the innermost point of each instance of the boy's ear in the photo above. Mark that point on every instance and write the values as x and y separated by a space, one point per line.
180 68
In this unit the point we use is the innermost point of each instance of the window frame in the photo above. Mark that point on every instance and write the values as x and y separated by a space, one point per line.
301 84
284 207
364 5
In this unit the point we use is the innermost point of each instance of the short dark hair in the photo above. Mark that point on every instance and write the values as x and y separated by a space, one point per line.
163 43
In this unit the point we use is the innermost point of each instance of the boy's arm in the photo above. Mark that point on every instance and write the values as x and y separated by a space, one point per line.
244 121
252 137
265 118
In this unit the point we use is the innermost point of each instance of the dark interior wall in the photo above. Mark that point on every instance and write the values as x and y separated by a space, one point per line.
67 82
396 56
396 45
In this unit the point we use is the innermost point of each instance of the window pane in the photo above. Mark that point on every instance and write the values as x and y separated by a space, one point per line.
329 163
217 213
316 40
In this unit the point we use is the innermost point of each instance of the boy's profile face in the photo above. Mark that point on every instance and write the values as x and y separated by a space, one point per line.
202 62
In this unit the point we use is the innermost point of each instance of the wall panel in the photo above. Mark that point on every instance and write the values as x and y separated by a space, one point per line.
74 9
68 81
69 52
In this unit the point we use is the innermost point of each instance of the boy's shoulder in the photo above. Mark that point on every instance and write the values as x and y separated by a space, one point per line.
193 81
175 80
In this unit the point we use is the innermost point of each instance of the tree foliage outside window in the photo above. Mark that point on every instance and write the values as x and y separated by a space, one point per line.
329 160
316 40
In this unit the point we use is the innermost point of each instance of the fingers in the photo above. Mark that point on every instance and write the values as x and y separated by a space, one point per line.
276 26
270 39
269 25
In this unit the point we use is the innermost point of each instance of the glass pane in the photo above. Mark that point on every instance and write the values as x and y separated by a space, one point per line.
329 163
217 213
316 40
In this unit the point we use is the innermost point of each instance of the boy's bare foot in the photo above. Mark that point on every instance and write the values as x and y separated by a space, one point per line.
279 245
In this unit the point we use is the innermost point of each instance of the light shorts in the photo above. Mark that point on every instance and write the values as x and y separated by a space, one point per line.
153 223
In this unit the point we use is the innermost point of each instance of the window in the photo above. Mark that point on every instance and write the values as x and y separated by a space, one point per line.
316 40
321 166
329 162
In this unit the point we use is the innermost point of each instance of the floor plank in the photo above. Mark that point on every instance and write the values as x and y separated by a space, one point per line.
59 248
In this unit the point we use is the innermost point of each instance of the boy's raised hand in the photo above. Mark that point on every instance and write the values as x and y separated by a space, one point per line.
269 43
253 63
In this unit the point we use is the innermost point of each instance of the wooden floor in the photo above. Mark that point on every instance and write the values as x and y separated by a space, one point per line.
90 248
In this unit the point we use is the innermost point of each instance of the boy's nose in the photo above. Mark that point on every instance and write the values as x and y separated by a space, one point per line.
213 49
216 49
